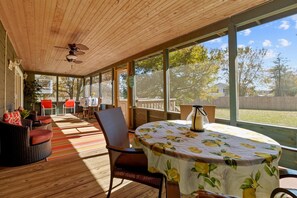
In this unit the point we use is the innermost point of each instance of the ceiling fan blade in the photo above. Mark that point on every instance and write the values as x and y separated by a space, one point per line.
80 53
77 62
82 47
61 47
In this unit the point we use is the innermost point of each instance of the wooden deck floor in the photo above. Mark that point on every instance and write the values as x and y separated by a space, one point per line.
84 175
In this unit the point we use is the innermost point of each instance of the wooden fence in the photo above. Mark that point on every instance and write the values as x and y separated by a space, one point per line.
285 103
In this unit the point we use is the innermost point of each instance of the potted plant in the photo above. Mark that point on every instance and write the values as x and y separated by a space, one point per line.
31 93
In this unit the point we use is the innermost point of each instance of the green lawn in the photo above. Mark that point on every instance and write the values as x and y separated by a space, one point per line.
281 118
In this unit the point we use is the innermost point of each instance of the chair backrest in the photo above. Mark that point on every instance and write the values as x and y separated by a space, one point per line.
69 103
113 125
47 103
93 101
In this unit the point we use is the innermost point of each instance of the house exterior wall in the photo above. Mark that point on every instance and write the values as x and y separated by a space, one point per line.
6 89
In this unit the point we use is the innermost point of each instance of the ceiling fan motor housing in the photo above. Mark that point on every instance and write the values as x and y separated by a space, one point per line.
71 56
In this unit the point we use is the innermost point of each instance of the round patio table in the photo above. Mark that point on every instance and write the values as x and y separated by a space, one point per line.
224 159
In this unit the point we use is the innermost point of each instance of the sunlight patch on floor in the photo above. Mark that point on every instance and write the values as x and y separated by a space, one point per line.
70 131
87 129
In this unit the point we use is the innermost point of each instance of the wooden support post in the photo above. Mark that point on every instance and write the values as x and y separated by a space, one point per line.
166 81
130 82
233 74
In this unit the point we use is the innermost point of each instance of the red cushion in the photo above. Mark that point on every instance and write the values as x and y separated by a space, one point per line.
38 136
45 119
13 118
46 103
69 103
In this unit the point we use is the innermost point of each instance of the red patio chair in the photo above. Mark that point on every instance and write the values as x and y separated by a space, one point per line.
69 104
47 105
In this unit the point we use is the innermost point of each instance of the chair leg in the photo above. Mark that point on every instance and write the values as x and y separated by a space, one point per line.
110 186
121 182
161 188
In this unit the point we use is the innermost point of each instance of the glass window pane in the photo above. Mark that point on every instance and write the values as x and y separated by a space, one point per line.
49 87
123 86
267 70
95 86
198 75
106 88
87 87
70 88
149 83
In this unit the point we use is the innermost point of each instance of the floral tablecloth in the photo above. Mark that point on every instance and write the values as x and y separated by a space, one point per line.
223 159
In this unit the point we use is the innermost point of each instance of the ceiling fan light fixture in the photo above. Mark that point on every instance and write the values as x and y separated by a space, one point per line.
71 57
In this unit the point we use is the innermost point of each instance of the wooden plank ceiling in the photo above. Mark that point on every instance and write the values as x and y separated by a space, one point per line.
112 29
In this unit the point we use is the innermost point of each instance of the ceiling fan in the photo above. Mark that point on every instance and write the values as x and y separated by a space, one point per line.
74 50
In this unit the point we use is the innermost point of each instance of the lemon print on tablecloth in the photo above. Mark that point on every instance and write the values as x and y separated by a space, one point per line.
183 128
153 169
172 173
216 135
229 157
268 159
250 185
247 145
201 167
170 123
204 170
157 153
147 136
214 143
158 125
194 149
162 146
190 134
147 130
169 131
174 138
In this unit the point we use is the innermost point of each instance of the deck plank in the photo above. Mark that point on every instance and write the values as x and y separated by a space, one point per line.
85 174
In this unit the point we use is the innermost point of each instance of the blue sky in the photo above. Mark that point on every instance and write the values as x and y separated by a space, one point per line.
279 36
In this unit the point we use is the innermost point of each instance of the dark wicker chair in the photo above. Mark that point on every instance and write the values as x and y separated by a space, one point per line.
125 162
16 146
286 173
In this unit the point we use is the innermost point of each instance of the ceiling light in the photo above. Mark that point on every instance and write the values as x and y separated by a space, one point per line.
71 57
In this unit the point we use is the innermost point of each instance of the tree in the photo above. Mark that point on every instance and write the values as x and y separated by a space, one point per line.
193 71
31 93
250 69
284 80
149 77
123 87
69 87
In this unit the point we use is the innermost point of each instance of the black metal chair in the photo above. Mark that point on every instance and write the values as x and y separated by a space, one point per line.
286 173
125 162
